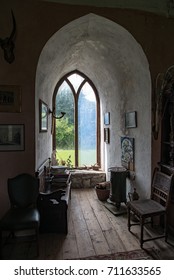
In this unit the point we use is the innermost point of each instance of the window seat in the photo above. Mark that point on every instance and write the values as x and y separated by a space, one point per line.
83 178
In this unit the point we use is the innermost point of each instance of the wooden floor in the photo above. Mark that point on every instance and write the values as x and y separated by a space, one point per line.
93 230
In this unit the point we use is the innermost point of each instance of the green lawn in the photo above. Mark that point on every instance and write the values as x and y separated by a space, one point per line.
64 155
88 157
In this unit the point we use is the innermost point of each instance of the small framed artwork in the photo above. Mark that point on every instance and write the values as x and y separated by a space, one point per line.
106 135
10 99
11 137
43 116
127 152
107 118
131 119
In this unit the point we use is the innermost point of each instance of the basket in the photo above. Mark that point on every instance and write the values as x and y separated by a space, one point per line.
102 194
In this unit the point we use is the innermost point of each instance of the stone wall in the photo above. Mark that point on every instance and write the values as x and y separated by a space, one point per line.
86 178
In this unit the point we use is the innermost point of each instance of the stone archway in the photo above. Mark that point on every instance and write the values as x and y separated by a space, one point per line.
110 56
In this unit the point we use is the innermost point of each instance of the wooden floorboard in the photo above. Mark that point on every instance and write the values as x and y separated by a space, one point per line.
124 239
92 230
81 230
69 242
114 241
96 234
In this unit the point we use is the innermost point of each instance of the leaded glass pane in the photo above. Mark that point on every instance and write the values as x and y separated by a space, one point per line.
87 126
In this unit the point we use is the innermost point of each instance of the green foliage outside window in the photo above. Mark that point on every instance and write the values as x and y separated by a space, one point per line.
64 134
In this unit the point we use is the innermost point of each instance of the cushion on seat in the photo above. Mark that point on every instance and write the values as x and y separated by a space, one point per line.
16 219
144 207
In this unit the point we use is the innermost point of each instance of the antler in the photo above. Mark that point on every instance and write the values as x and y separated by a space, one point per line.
14 27
7 44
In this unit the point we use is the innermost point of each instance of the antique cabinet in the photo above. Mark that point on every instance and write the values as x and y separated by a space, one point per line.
167 134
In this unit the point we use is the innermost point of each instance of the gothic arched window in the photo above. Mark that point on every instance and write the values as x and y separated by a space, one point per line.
77 135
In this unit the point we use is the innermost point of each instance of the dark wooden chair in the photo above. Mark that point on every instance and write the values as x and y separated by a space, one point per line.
157 205
23 215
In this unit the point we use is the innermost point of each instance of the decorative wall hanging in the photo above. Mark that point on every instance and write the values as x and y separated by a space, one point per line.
55 117
131 119
62 114
43 116
107 118
127 152
7 44
12 137
164 87
10 98
106 135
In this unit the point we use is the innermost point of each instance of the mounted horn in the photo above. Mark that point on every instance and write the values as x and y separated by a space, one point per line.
8 45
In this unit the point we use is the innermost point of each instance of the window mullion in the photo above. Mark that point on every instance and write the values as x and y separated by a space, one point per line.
76 130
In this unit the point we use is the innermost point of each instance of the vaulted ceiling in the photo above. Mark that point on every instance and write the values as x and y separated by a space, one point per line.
162 7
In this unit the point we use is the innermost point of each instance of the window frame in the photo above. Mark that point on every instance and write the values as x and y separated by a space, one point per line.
76 96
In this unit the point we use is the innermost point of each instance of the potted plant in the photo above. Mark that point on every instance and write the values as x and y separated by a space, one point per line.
103 190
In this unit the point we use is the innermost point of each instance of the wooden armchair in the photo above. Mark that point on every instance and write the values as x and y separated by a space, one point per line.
157 205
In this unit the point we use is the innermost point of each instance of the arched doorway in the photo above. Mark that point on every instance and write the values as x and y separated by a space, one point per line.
110 56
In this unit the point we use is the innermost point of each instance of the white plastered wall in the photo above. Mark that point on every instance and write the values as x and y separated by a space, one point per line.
110 56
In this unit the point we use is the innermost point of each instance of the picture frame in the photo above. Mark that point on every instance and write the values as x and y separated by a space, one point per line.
107 118
128 152
10 98
43 116
12 137
131 119
106 135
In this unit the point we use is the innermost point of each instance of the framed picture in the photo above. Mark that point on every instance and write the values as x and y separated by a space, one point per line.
10 99
43 116
106 135
12 137
131 119
127 152
107 118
